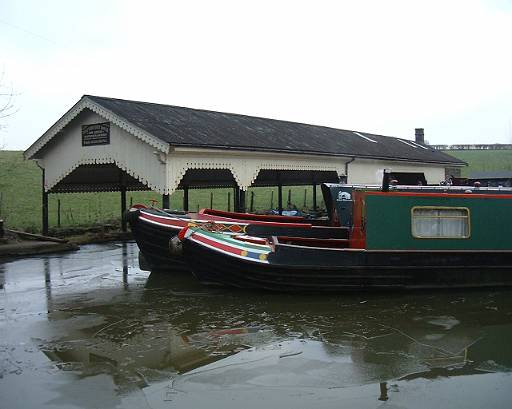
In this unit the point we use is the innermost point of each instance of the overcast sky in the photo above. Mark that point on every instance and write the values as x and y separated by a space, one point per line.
383 67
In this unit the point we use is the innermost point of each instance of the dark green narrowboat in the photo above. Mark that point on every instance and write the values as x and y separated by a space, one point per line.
400 237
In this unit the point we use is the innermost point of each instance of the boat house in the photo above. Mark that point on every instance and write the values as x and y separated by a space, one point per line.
107 144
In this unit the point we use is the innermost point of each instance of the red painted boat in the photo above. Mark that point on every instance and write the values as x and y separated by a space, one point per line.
155 231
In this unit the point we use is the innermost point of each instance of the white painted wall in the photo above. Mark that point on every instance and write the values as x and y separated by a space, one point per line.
370 171
244 165
65 152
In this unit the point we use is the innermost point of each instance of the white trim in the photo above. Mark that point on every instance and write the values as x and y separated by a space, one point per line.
101 161
364 137
229 241
409 143
84 103
246 258
243 165
419 146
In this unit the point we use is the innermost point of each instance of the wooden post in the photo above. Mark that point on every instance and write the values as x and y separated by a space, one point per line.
229 201
124 227
58 213
44 208
241 201
251 209
280 198
185 198
314 196
236 199
165 202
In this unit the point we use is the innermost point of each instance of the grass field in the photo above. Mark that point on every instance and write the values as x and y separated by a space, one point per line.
20 198
484 160
20 193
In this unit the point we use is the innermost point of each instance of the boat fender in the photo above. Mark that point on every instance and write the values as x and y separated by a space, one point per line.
184 233
175 246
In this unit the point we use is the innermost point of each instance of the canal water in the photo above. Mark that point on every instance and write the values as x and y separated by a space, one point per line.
89 329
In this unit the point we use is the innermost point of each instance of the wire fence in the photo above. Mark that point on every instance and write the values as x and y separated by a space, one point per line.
87 209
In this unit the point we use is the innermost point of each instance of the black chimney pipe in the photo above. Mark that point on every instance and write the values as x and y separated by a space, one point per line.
385 180
419 135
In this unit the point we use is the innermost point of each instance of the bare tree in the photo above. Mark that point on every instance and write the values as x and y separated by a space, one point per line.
7 107
7 96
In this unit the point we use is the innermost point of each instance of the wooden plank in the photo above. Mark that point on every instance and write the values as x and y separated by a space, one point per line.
36 236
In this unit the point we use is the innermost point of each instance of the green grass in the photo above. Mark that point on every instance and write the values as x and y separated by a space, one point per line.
20 193
20 198
484 161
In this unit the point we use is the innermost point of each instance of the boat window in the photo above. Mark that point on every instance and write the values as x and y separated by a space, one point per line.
440 222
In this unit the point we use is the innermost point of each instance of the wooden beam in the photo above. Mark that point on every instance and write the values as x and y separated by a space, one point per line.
165 202
314 196
44 207
185 198
280 198
124 226
241 200
37 236
236 199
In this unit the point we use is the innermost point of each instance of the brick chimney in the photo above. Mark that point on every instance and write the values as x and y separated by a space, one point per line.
419 135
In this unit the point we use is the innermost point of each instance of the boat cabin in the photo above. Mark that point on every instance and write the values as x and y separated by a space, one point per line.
422 217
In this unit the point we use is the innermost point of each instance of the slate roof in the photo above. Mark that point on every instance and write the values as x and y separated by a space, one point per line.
179 126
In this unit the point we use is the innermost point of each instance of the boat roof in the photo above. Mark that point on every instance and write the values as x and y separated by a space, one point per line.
425 189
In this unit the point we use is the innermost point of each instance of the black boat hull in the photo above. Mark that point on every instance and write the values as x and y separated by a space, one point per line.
334 270
158 243
154 245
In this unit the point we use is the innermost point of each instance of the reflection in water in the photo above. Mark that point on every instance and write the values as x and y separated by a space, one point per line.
176 325
125 264
383 391
2 276
48 283
107 317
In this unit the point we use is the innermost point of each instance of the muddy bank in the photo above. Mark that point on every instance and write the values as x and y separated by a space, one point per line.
21 244
23 248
